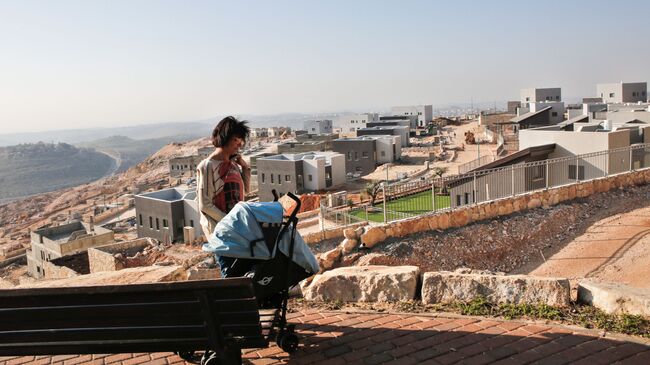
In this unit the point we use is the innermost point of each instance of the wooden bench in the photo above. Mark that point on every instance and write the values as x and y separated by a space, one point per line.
218 315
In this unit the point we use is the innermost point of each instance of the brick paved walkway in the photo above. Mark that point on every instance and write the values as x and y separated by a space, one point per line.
359 338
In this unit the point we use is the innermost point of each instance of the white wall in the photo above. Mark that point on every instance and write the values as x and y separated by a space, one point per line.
424 112
540 94
626 116
191 212
569 143
556 107
316 168
350 123
338 169
385 145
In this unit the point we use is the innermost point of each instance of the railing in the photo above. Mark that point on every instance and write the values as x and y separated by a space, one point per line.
476 163
450 192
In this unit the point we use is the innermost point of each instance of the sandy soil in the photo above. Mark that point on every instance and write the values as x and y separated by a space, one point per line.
614 249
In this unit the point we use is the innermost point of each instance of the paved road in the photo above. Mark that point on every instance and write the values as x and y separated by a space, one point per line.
358 338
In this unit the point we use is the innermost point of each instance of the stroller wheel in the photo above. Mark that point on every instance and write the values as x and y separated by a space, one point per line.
288 342
186 355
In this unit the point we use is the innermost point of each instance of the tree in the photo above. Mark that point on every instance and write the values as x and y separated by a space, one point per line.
439 171
372 189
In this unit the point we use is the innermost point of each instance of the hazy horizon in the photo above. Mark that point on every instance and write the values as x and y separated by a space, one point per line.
79 65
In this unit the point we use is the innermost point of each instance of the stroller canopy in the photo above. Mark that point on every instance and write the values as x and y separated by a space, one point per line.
233 235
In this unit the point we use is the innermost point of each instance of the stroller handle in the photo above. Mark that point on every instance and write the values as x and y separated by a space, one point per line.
298 204
276 197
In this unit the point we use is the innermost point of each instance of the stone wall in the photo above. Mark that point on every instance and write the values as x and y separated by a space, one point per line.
330 233
103 258
483 211
53 271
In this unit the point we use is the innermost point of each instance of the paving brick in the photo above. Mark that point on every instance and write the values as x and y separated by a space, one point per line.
78 360
338 338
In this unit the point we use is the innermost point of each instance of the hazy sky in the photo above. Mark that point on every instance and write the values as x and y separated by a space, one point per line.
80 64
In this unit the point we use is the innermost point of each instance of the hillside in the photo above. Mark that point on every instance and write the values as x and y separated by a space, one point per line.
28 169
130 151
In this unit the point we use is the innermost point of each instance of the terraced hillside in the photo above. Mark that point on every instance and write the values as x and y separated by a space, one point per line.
28 169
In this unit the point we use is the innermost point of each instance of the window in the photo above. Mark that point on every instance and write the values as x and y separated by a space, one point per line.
279 179
458 202
287 178
527 99
611 95
349 155
313 129
140 220
643 93
328 176
572 172
263 178
272 181
309 177
356 156
537 172
364 154
466 198
191 222
42 255
157 225
557 97
633 93
165 225
554 114
150 222
357 169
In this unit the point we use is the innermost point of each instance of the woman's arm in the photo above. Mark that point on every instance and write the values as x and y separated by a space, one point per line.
245 173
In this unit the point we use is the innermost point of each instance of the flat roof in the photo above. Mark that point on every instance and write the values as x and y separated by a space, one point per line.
170 195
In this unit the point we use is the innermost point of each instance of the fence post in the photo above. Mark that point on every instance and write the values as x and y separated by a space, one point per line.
475 193
631 164
433 193
384 192
512 178
321 219
577 168
546 164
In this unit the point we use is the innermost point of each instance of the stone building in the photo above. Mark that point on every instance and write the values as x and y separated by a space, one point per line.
68 239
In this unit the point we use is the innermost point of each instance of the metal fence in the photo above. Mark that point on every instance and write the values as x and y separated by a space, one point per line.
425 195
476 163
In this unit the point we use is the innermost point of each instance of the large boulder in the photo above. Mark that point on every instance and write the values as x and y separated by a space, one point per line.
348 245
615 298
448 287
372 236
364 284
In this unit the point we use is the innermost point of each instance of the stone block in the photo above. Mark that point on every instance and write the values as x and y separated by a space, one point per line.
364 284
448 287
615 298
348 245
372 236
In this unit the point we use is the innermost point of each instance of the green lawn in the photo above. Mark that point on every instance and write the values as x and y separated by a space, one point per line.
412 205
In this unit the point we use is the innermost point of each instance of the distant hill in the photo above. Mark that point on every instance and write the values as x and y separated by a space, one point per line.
138 132
28 169
131 151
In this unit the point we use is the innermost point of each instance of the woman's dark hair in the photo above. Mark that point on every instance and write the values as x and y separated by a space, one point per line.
228 128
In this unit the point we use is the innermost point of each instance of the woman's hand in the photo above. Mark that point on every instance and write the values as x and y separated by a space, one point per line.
240 161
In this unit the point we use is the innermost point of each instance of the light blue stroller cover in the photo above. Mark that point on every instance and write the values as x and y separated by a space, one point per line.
233 235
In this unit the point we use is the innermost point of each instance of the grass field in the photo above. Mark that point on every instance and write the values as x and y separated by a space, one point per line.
415 204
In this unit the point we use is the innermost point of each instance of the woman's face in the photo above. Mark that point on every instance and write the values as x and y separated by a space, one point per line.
234 145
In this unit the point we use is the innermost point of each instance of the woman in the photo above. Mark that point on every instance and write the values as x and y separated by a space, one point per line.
223 177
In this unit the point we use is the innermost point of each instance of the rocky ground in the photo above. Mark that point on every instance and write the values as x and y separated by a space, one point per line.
516 243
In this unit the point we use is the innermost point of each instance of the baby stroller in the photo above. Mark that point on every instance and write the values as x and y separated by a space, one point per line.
256 240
